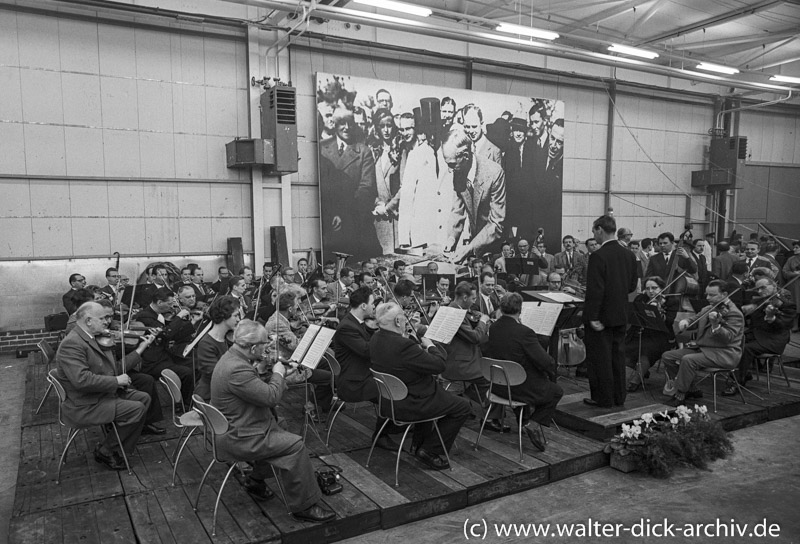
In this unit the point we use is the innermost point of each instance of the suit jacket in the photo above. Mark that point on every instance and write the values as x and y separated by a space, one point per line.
763 262
560 259
658 266
68 302
702 269
245 401
351 347
416 367
480 304
464 351
158 351
519 177
723 346
488 150
513 341
484 204
610 277
88 374
774 336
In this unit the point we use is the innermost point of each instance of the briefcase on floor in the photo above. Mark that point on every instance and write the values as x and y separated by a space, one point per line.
56 322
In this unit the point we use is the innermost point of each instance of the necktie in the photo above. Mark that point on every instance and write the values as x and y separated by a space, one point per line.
341 149
569 260
749 263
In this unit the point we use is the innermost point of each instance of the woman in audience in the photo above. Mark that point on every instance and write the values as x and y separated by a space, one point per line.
224 313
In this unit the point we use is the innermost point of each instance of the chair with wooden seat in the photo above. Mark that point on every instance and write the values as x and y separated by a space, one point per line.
48 355
768 360
190 420
508 374
392 390
217 424
74 427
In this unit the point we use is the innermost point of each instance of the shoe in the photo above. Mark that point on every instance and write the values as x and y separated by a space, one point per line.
436 462
113 461
633 387
730 391
497 426
694 394
535 435
385 442
592 402
315 513
258 490
152 429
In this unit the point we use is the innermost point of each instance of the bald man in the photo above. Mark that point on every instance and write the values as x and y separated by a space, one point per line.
417 366
98 387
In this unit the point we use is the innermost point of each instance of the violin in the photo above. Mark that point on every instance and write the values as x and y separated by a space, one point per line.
109 339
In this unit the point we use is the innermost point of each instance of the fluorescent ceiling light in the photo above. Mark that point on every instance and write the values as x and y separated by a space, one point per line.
785 79
717 68
397 6
527 31
625 50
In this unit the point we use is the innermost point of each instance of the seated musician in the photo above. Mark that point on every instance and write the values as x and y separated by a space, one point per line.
507 252
662 263
113 289
238 290
317 300
224 313
182 323
329 271
771 313
464 353
157 356
253 434
487 301
79 298
340 290
160 276
223 276
202 291
417 365
440 291
98 390
281 325
555 283
268 295
433 267
647 345
720 327
289 275
398 270
186 279
76 281
510 340
739 283
351 347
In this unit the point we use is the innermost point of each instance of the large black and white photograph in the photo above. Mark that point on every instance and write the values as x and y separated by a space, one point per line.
445 173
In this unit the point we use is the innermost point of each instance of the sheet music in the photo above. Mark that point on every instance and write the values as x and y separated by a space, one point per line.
445 324
540 316
305 343
558 296
321 342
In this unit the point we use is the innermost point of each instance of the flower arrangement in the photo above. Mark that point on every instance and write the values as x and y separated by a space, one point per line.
661 442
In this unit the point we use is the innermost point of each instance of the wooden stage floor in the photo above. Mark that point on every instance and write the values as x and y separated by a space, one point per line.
93 504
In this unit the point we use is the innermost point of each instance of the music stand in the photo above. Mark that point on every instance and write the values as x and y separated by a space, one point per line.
645 316
519 266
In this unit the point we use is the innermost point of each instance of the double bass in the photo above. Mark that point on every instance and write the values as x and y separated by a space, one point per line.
681 283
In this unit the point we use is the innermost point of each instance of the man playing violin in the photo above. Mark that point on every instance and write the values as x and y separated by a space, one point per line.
441 291
720 329
181 325
771 314
661 263
487 301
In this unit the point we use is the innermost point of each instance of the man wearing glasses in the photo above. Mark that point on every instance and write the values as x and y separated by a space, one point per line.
98 387
76 282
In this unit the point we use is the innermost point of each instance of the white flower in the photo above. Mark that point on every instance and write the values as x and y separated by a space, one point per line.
674 420
637 422
701 409
647 418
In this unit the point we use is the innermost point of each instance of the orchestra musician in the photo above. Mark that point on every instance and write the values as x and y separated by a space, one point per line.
340 290
113 289
770 314
417 365
186 279
224 313
720 329
317 301
76 281
441 291
182 324
648 342
202 291
464 353
661 263
238 290
487 301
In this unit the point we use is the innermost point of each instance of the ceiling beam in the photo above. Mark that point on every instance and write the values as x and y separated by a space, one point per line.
766 51
602 16
761 37
713 21
652 10
773 64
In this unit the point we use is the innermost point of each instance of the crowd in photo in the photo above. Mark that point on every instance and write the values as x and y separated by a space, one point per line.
230 342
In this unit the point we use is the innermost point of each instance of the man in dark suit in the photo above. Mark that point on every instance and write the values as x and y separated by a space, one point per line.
157 357
480 197
697 254
518 166
510 340
352 349
722 263
611 275
660 263
253 434
347 176
97 390
76 281
769 330
417 366
754 260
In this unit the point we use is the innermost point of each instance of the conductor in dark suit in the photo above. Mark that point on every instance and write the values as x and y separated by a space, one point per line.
660 263
610 277
352 350
512 341
417 366
97 390
254 435
347 179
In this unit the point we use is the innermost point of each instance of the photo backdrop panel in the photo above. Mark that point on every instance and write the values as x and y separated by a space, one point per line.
456 171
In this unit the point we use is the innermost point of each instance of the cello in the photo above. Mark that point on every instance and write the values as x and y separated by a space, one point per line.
683 283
